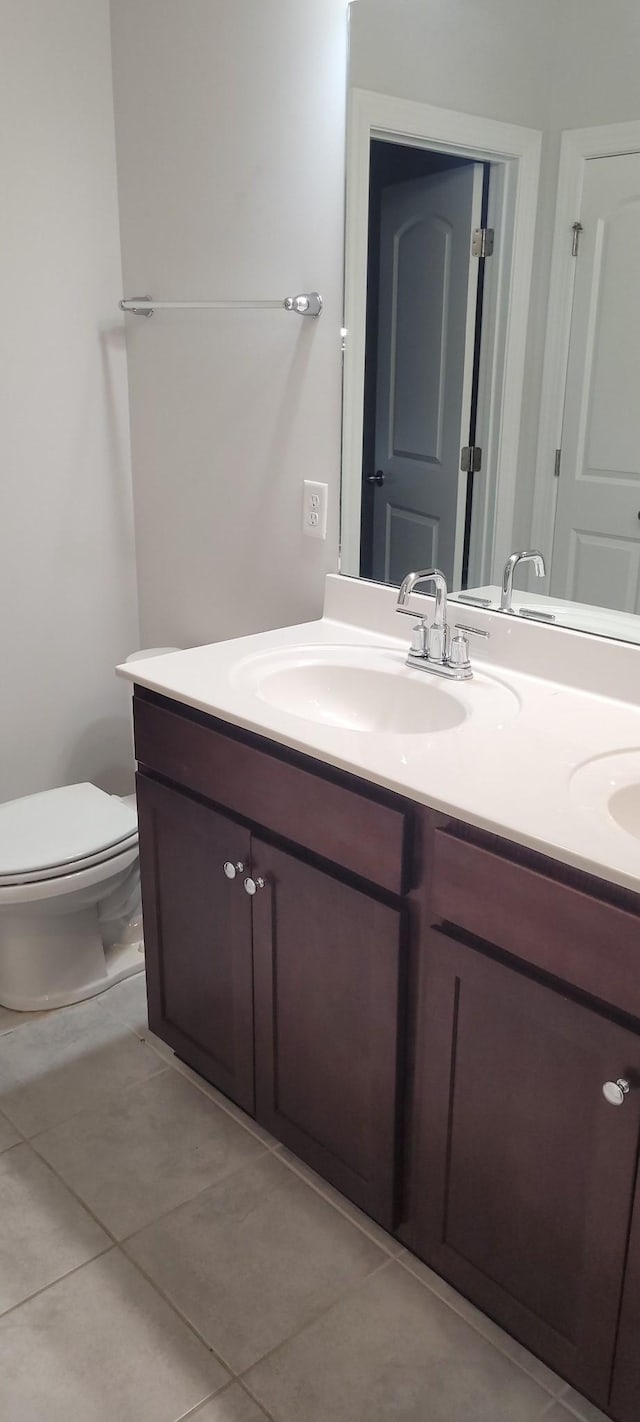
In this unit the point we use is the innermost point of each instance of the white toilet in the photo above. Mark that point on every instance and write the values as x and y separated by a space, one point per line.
70 910
70 918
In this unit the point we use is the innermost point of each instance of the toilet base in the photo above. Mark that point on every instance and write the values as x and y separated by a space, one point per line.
66 962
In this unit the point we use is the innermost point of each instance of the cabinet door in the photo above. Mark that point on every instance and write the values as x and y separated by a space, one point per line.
625 1394
197 930
327 963
523 1172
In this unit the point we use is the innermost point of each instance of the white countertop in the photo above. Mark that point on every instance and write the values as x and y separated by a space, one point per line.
580 616
515 777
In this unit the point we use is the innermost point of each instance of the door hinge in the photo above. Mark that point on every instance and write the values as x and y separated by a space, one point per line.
482 241
556 464
471 459
577 229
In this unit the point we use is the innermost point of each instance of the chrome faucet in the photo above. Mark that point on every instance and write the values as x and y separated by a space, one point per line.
509 570
432 648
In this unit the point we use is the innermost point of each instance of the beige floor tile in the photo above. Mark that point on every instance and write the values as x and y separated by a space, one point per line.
579 1407
223 1101
253 1259
127 1001
232 1405
10 1020
374 1231
484 1325
162 1049
69 1061
8 1135
392 1350
169 1057
44 1232
157 1145
102 1346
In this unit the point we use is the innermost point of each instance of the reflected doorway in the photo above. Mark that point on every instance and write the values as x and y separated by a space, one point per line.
422 361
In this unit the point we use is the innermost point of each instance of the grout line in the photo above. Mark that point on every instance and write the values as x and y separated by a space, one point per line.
230 1109
571 1407
493 1342
122 1091
194 1411
186 1072
235 1383
93 1107
271 1417
78 1198
53 1282
311 1323
182 1316
191 1199
299 1171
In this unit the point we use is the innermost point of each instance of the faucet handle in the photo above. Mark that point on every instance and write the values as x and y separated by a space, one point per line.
472 631
418 646
459 648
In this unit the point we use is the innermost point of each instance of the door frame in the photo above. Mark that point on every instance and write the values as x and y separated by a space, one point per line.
513 205
577 146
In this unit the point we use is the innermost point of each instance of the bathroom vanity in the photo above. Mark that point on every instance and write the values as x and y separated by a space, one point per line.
420 1003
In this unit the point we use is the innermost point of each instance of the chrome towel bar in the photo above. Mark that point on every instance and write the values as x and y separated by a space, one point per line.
308 303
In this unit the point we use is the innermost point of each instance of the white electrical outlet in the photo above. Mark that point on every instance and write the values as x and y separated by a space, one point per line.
314 509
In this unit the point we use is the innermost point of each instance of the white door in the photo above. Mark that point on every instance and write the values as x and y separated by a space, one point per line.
596 549
426 331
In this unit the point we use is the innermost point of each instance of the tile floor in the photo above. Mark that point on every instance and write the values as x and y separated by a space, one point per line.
162 1258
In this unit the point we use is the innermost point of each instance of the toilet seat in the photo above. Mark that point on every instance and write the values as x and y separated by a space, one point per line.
61 832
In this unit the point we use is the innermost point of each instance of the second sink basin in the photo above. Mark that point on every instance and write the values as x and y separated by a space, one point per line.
608 787
624 808
370 690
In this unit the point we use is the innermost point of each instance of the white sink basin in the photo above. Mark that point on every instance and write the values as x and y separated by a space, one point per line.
608 787
624 808
370 690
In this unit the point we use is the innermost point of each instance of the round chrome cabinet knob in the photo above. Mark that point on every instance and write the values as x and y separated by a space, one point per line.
615 1092
251 886
232 869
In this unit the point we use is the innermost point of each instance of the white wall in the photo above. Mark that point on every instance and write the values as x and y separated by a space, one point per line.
67 580
230 140
550 65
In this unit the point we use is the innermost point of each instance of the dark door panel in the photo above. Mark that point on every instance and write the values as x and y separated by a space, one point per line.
524 1174
197 928
327 967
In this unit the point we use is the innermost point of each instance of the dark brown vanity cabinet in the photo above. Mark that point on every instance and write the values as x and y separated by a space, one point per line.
524 1174
424 1013
287 998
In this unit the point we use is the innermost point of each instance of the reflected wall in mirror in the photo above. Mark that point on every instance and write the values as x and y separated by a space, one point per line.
492 381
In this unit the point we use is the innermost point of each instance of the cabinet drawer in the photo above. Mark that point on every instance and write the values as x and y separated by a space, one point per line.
364 834
557 927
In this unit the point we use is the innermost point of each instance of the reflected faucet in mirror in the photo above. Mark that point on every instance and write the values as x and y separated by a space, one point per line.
509 569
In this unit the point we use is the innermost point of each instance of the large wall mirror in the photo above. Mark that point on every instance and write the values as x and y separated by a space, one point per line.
492 307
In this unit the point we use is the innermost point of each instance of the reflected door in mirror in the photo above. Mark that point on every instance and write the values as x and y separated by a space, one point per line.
596 552
428 284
